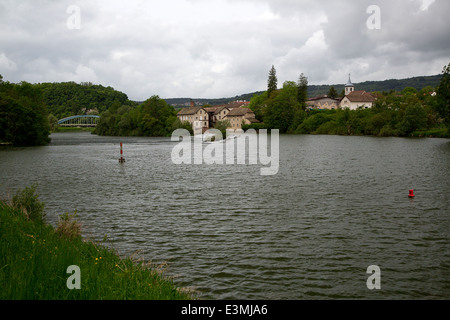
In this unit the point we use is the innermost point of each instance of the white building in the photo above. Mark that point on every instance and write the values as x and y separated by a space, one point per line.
355 99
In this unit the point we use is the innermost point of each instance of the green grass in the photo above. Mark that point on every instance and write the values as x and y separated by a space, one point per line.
34 258
433 133
74 129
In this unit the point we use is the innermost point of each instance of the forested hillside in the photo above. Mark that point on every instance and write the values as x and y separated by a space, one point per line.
70 98
314 90
417 83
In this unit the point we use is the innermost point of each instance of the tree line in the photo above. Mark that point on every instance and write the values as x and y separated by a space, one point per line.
405 113
23 115
27 110
154 117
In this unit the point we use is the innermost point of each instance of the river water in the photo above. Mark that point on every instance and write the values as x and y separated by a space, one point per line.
337 206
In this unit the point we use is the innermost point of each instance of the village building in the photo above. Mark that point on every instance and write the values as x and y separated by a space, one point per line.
356 99
323 102
239 116
351 100
198 117
203 118
216 114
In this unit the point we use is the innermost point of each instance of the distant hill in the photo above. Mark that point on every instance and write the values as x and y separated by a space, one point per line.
386 85
69 98
315 90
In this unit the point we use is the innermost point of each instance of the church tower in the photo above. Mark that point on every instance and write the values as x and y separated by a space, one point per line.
349 87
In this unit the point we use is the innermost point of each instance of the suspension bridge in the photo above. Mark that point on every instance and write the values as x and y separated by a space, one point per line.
79 121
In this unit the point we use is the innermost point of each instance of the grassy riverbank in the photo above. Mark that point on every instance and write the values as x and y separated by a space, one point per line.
34 258
432 133
73 129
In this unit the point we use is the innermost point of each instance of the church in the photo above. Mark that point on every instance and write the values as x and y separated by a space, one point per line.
355 99
352 99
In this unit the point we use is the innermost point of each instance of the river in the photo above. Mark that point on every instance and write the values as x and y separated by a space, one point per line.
337 206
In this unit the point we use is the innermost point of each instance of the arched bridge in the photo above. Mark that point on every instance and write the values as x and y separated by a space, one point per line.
79 121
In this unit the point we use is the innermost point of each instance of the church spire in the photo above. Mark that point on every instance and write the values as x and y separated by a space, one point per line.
349 87
349 82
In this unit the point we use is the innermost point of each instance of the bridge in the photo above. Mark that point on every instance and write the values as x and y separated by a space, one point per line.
79 121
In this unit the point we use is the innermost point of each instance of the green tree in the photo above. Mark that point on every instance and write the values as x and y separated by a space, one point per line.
415 118
152 118
332 93
442 106
312 123
53 122
23 115
302 90
272 82
409 90
257 104
114 106
299 116
178 124
223 126
281 108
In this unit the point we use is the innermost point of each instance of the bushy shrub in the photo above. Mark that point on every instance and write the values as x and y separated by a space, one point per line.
313 122
27 202
327 128
68 227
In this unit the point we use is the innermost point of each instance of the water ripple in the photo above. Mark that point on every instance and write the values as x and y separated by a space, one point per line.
337 206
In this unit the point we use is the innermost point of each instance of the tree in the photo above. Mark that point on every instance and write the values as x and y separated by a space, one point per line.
23 115
415 118
152 118
272 82
409 90
332 93
178 124
443 93
257 104
302 90
223 126
53 122
281 109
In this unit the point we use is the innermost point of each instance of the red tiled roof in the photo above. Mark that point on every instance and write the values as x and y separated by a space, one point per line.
253 120
189 111
322 97
216 109
238 112
361 96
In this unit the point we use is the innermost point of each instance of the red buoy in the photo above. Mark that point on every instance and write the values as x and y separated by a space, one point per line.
411 193
121 159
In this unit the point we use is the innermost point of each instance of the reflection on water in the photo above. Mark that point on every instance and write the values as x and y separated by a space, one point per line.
337 206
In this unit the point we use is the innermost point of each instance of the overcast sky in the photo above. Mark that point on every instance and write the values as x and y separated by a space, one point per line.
223 48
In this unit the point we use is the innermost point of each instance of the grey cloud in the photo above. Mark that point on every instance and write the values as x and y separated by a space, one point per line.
211 49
